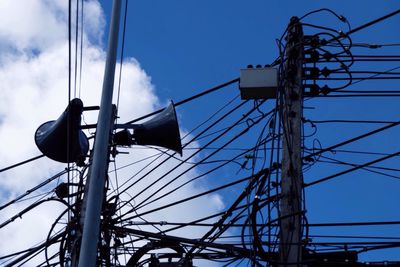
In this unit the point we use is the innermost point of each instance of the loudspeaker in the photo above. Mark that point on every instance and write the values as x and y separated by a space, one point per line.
62 140
162 130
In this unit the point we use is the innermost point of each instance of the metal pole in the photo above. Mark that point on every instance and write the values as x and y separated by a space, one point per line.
292 176
99 166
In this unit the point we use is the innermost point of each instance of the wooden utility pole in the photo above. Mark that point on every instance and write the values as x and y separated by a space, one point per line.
292 176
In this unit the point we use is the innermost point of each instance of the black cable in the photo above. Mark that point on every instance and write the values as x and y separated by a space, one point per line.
81 49
353 121
340 17
170 156
353 139
334 151
20 163
32 206
356 78
188 198
352 169
225 162
355 237
361 27
206 157
205 92
181 163
76 47
56 176
122 53
34 250
369 168
69 48
352 224
356 95
370 91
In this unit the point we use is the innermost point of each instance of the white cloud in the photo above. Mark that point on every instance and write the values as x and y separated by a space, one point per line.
34 89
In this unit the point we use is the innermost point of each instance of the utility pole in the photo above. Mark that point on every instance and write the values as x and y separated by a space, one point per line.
94 195
292 176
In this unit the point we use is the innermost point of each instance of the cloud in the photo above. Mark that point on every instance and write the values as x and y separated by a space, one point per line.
34 88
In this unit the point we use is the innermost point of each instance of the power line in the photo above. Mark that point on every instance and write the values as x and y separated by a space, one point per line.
205 92
21 163
351 170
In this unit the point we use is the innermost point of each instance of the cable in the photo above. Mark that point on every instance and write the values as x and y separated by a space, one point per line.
205 92
205 158
353 139
56 176
361 27
20 163
194 138
122 54
352 169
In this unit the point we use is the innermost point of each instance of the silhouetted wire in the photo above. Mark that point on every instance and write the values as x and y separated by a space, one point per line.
206 157
357 95
156 158
369 169
193 179
205 92
122 54
21 163
188 198
210 117
181 163
223 215
353 121
37 249
358 152
30 207
28 192
356 237
161 154
368 24
81 49
224 128
358 78
351 140
199 162
339 17
375 45
224 162
76 48
351 170
52 227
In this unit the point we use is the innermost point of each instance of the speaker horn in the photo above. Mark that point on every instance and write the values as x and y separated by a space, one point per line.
62 140
162 130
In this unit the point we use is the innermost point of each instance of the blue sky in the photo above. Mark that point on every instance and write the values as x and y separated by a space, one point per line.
183 48
187 46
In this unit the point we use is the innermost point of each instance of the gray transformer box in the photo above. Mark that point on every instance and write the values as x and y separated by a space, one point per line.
258 83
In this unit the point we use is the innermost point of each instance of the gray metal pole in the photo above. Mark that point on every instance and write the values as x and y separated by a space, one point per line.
292 176
99 166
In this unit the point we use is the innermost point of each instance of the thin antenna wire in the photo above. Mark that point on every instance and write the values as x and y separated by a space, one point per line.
69 92
81 51
122 54
76 47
